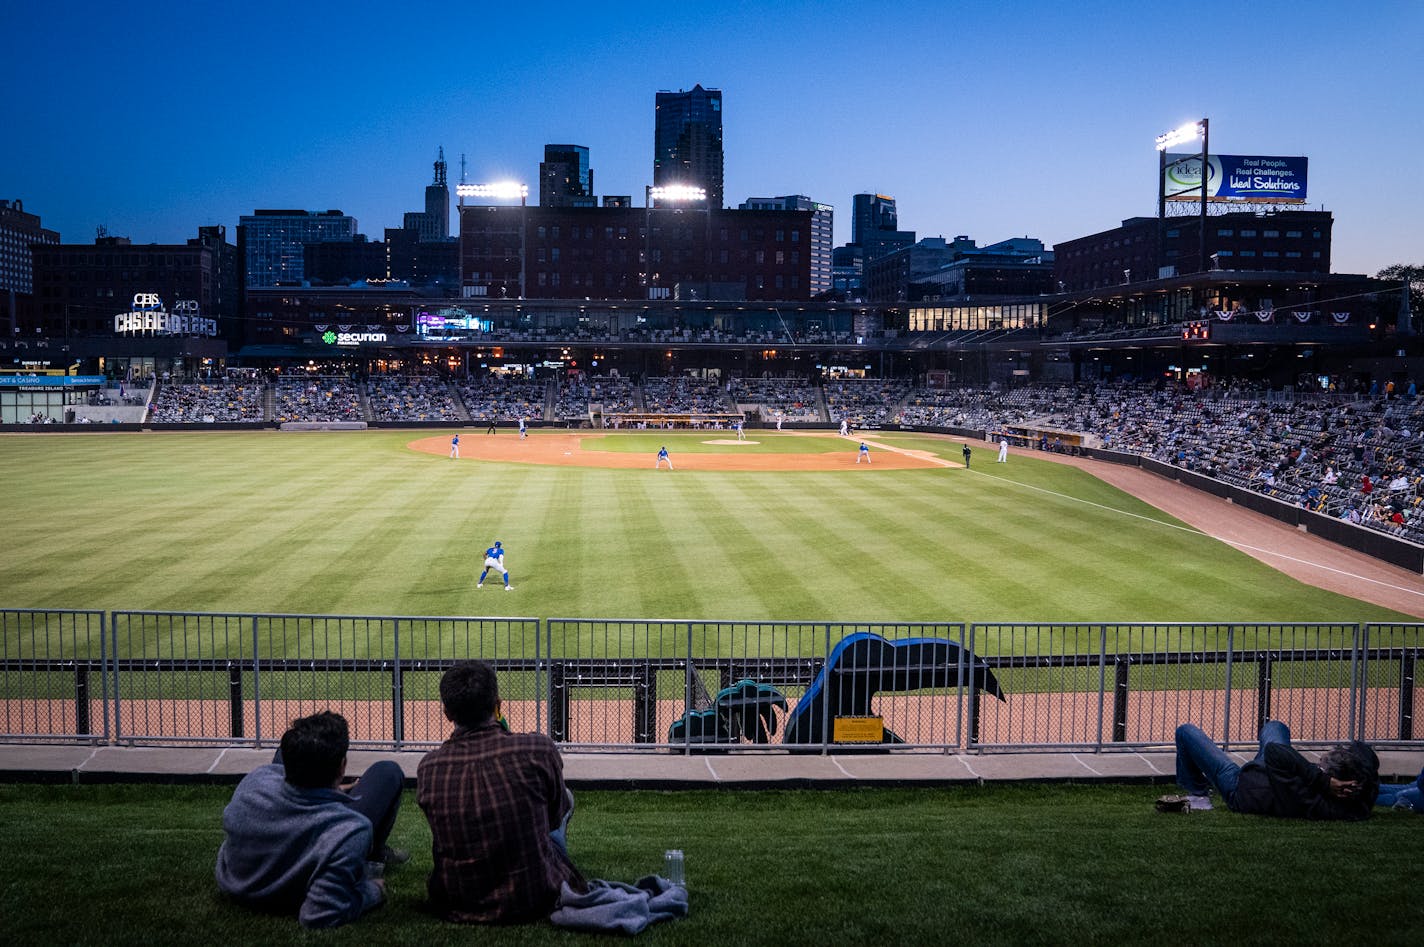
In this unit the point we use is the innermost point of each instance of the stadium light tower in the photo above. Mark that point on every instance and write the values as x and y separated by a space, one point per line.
1177 136
503 191
669 194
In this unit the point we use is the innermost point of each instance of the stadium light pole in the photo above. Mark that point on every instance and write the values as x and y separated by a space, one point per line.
1188 132
672 194
503 191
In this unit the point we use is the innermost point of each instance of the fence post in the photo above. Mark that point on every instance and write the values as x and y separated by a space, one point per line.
118 704
256 689
1263 689
558 703
234 697
1230 660
1102 678
1357 682
81 698
687 693
104 670
826 696
644 712
1120 669
397 698
1406 694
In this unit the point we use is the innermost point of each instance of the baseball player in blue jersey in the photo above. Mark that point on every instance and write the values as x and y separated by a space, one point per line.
662 456
864 453
455 446
494 559
523 428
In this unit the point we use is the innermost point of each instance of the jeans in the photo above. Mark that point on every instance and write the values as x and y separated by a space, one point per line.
1403 795
1201 764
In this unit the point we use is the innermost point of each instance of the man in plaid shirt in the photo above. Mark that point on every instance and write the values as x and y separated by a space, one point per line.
498 810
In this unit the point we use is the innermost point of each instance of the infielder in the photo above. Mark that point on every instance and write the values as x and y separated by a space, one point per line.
494 559
455 446
662 456
523 429
1003 450
845 428
741 436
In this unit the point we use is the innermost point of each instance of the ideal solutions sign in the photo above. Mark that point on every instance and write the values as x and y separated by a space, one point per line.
147 315
1244 178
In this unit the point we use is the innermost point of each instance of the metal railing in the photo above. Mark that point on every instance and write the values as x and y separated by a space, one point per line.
186 678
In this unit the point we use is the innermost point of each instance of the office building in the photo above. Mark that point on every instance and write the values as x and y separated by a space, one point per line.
822 234
1146 248
79 288
565 179
19 231
271 243
687 141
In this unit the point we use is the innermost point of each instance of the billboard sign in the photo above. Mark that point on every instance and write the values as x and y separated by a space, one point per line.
1244 178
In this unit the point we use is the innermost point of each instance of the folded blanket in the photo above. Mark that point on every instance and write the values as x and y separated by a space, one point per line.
613 906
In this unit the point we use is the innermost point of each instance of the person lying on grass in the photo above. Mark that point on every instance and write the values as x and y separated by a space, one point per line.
1279 781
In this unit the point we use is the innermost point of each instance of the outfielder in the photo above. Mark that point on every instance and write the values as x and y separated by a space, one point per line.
1003 450
494 559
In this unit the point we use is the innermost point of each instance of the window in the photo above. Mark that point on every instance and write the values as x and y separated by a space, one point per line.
1248 252
1270 233
780 236
554 232
608 233
780 257
724 234
1224 253
539 255
1248 233
543 278
761 256
744 235
795 236
554 255
1269 253
1293 254
1315 254
1176 232
1293 233
542 233
780 281
553 279
1225 232
721 256
795 280
795 256
760 282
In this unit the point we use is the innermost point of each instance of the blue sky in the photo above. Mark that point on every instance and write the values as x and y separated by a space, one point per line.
991 120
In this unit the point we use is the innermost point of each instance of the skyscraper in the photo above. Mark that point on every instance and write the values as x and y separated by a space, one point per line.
687 141
874 226
565 179
434 222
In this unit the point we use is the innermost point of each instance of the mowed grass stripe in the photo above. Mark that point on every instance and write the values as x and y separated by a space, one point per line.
357 523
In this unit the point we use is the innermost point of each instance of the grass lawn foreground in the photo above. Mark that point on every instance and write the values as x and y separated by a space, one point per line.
998 865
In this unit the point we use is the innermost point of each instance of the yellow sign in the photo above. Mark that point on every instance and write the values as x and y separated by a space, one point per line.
858 730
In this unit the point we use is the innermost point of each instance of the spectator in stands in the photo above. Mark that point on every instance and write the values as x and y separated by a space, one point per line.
297 843
498 810
1279 781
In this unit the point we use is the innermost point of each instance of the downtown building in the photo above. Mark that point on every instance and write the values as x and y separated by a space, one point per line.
271 243
822 233
635 253
1146 248
687 141
20 232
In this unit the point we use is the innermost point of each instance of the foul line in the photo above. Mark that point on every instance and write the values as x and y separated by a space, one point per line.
1186 529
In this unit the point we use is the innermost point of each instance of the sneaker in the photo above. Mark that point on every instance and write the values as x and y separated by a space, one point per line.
509 588
479 585
1199 803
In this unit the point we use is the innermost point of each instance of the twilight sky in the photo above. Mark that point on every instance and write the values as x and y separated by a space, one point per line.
991 120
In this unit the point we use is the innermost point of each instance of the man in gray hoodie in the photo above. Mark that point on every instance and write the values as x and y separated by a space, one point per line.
295 843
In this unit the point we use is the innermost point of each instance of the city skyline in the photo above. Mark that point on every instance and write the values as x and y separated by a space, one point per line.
992 123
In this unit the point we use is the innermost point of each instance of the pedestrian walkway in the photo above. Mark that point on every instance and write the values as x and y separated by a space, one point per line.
651 770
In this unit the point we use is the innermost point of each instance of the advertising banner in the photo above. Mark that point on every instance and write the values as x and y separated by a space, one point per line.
1243 178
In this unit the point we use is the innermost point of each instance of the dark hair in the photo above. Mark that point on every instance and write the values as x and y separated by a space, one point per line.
469 692
313 748
1351 762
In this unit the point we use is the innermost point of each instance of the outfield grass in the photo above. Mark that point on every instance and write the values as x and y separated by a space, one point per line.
980 865
358 524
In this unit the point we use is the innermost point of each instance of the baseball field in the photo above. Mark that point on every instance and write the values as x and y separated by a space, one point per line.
781 527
